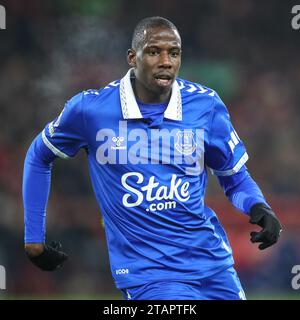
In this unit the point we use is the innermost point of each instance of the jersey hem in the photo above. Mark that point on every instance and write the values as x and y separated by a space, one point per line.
134 282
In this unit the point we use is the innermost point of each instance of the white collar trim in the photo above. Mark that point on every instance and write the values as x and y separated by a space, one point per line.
130 108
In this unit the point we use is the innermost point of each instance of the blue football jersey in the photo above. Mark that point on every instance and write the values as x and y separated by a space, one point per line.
149 177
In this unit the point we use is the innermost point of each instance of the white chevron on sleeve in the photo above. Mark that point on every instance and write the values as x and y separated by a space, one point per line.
113 84
192 88
202 90
181 85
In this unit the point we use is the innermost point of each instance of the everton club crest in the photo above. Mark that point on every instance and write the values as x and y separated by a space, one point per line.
185 143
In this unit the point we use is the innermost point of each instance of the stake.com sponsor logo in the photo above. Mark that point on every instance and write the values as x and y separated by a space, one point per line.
153 191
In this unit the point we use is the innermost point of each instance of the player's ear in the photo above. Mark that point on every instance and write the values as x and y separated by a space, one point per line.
131 57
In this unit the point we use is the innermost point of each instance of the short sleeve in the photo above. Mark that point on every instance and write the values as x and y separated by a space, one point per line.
225 153
65 135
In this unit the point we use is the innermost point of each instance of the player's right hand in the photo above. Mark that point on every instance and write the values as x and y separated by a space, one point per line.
51 258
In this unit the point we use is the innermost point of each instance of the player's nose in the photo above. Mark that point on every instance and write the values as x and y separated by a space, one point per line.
165 60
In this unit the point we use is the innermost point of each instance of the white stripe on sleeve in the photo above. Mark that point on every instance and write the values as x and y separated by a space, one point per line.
234 170
52 148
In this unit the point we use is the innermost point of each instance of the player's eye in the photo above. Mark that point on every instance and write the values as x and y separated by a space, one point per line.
153 52
174 54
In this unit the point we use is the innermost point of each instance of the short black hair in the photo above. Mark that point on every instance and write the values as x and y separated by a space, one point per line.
138 36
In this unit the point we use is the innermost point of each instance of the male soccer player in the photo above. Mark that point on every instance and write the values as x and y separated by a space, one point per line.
150 138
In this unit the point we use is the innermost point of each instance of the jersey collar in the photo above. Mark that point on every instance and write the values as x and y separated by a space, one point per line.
130 108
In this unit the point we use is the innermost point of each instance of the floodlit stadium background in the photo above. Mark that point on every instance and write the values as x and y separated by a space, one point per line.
246 50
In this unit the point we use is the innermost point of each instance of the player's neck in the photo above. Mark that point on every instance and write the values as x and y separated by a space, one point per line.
146 96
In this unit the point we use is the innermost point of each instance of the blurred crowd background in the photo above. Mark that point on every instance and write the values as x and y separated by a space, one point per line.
247 51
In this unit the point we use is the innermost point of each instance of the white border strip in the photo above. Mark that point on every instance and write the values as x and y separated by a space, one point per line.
52 148
236 168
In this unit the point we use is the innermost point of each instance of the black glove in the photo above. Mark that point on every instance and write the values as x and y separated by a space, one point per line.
263 216
51 258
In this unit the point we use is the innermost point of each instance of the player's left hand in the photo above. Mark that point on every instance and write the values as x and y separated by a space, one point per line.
263 216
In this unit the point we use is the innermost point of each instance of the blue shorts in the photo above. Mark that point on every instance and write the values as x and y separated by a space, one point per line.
224 285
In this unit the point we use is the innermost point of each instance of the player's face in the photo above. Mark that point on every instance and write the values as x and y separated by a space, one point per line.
156 63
